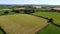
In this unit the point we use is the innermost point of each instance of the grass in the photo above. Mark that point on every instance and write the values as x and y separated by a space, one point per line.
54 15
51 29
1 32
28 24
2 11
22 23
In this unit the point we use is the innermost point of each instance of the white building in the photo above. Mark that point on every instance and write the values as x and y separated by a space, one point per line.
36 6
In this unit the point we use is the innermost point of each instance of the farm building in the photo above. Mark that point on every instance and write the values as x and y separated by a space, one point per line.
36 6
19 8
24 10
55 9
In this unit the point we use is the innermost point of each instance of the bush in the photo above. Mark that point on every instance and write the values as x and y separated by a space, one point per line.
16 11
28 11
6 12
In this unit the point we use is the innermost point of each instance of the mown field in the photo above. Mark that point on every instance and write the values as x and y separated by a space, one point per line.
22 24
51 29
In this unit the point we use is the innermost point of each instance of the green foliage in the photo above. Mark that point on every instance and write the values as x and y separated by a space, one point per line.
1 32
6 12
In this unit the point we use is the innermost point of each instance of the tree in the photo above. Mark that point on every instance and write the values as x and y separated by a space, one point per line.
6 12
16 11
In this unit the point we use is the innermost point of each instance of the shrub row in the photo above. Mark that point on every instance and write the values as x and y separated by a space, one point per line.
6 12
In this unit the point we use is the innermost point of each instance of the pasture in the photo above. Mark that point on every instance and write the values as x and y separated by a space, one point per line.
51 29
22 24
54 15
9 12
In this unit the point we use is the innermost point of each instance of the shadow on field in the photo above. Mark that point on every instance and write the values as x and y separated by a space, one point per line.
51 21
42 29
2 30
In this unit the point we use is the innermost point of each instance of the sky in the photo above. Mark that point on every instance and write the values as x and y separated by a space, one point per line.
49 2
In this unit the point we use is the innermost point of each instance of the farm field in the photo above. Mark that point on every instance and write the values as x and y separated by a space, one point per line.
54 15
2 11
22 24
51 29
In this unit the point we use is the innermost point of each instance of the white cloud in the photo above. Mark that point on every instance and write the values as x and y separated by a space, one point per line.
53 2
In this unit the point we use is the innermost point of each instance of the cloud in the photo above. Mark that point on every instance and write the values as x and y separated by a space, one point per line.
53 2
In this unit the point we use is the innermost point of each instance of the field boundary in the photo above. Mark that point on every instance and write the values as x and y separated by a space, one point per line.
2 30
49 20
42 29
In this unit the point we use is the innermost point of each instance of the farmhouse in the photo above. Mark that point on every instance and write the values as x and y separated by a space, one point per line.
19 8
24 10
56 9
36 6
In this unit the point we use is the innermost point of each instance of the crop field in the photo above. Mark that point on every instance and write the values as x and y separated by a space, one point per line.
22 24
51 29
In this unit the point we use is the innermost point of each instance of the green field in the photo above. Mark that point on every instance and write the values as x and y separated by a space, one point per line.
22 23
9 12
51 29
29 24
54 15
